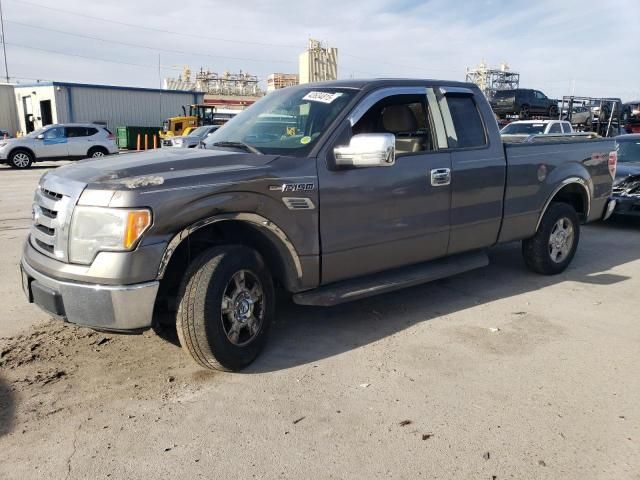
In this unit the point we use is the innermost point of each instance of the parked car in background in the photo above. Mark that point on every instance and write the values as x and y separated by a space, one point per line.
626 186
192 140
5 134
524 103
580 115
632 124
58 142
537 127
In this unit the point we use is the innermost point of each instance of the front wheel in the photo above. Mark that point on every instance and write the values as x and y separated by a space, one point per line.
226 305
553 111
552 248
20 159
525 112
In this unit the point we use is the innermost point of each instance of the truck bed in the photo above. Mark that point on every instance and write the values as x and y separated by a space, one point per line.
536 169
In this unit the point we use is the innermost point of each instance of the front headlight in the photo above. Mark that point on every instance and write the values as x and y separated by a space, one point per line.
178 142
98 229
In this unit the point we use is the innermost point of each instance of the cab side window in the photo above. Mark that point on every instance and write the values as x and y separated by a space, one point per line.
463 122
405 116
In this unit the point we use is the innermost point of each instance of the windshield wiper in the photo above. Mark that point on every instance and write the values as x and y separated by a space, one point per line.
244 146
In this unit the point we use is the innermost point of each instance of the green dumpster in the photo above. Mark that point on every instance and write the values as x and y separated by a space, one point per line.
127 137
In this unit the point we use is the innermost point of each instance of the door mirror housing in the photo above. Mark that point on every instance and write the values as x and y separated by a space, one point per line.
367 150
40 137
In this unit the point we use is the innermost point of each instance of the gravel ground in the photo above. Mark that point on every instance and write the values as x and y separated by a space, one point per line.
494 374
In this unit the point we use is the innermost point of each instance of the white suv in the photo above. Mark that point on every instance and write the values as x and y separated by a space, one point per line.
58 142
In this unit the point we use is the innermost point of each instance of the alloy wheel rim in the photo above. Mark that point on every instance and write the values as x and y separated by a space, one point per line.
21 160
97 154
561 240
242 309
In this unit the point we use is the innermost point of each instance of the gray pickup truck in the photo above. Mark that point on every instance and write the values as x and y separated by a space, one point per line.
332 192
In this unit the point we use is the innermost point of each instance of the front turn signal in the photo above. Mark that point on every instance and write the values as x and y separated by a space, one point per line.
138 221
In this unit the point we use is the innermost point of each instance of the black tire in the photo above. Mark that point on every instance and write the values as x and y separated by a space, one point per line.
604 113
205 332
553 111
525 112
538 250
97 152
21 159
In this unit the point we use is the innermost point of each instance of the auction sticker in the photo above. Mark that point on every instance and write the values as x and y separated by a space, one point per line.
322 97
305 140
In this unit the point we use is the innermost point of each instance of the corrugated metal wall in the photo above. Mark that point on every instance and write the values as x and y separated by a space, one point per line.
120 107
8 111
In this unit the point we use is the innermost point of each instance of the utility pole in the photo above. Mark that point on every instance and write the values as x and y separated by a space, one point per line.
4 46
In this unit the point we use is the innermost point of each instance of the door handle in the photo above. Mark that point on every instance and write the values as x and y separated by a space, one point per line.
440 177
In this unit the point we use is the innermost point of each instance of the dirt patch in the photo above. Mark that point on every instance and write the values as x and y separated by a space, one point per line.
59 368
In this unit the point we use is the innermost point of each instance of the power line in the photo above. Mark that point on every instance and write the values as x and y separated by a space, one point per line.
151 29
57 52
155 49
200 37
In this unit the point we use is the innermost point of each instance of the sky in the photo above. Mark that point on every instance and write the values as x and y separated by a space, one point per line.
562 47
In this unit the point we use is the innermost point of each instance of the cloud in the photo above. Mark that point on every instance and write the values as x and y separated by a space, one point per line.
556 46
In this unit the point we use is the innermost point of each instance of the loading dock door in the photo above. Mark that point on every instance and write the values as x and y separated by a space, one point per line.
45 112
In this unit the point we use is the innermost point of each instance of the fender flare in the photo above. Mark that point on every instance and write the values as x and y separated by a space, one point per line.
567 181
256 220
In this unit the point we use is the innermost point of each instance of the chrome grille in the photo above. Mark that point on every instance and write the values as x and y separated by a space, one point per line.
52 209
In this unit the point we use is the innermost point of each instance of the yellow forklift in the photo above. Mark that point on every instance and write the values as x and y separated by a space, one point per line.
199 115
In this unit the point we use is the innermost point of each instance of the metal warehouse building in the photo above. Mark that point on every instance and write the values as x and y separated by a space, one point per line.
44 103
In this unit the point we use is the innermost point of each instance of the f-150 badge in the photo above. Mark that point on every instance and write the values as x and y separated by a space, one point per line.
293 187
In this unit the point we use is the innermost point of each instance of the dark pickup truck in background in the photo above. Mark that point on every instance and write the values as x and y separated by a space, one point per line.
332 192
523 103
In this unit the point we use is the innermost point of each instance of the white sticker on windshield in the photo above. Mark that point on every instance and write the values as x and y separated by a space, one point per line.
323 97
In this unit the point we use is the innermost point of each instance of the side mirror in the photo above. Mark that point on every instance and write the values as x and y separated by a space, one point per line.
40 137
367 150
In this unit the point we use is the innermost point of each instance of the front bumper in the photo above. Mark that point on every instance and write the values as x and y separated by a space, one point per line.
108 307
627 205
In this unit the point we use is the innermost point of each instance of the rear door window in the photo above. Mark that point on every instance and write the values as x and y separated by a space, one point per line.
463 122
73 132
91 131
567 127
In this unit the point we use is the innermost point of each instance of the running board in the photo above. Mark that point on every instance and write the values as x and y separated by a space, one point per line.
384 282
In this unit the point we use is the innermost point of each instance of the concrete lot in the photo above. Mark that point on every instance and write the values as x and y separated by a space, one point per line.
494 374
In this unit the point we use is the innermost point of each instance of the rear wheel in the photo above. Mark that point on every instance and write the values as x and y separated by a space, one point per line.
226 305
553 111
97 152
525 113
20 159
552 248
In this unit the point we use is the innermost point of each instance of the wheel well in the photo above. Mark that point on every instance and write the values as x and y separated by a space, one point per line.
575 195
97 147
220 233
22 149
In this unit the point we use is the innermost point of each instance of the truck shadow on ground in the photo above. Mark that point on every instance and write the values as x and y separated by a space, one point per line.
304 335
7 408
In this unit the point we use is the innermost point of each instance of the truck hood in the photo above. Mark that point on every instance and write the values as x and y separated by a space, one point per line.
157 167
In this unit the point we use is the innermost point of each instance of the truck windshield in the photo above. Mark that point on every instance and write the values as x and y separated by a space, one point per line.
523 129
628 151
285 122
